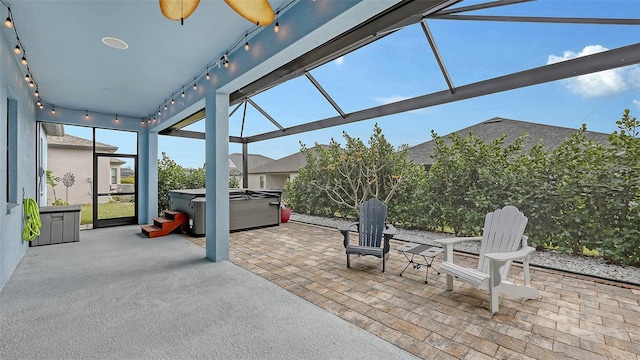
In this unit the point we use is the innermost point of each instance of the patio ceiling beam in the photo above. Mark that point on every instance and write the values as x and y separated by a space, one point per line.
186 134
482 6
273 121
324 93
540 19
436 53
606 60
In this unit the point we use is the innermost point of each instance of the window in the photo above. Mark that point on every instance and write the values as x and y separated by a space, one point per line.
12 152
261 182
114 176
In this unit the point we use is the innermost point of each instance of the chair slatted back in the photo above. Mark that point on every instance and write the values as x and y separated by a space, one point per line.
503 230
373 214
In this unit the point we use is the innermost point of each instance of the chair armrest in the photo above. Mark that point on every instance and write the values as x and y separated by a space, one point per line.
503 257
447 244
387 234
344 230
389 230
455 240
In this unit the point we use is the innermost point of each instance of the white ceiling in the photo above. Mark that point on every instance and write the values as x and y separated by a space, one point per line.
74 69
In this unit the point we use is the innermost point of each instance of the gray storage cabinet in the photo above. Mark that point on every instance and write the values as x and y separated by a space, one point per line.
60 224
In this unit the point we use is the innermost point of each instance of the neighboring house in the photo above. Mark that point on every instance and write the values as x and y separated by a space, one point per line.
235 166
72 154
276 173
552 137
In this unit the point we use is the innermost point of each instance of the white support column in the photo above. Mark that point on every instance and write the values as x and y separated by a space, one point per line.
217 184
147 170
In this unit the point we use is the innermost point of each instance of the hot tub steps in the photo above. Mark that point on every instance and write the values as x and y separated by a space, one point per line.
172 221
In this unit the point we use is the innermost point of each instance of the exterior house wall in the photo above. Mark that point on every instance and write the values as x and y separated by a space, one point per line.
24 184
80 163
271 181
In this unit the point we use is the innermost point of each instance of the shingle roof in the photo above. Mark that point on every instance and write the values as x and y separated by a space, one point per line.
70 141
491 129
235 162
287 164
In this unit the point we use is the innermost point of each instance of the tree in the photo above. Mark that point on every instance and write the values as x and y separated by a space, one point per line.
349 176
171 176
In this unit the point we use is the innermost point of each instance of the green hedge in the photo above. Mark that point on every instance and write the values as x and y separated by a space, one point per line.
582 195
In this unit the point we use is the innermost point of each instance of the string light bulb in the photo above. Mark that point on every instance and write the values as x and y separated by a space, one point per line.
208 77
117 118
8 22
17 50
32 84
183 95
246 43
36 93
27 78
86 116
165 107
172 101
142 122
53 109
226 60
39 103
24 61
159 113
195 87
41 107
276 28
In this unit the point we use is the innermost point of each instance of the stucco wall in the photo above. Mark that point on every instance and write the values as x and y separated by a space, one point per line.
80 163
13 86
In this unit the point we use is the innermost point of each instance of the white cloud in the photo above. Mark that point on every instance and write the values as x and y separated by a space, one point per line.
636 102
603 83
339 61
389 99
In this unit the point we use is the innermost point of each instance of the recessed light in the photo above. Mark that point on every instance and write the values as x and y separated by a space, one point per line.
115 43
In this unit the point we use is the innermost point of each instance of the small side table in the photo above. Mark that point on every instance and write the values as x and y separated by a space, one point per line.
427 252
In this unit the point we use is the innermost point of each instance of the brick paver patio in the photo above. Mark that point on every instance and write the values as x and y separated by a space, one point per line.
575 318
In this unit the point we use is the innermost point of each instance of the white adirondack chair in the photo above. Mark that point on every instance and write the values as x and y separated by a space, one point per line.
502 241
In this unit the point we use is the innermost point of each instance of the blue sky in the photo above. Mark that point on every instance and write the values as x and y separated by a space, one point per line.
402 65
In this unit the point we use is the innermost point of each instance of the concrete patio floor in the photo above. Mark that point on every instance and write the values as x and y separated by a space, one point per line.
116 294
577 317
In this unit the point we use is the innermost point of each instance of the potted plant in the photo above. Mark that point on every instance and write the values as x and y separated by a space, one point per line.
285 212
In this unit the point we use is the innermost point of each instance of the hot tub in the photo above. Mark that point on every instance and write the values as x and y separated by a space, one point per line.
247 208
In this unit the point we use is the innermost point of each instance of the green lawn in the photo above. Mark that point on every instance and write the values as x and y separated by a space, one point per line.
106 211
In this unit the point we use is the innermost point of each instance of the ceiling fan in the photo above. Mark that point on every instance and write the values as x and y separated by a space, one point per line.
258 12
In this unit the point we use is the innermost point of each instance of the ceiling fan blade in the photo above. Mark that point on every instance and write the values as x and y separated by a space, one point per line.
178 9
258 12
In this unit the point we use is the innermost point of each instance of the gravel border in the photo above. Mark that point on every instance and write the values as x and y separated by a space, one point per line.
550 259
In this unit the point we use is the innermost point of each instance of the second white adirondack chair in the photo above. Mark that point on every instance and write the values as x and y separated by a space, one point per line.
502 241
